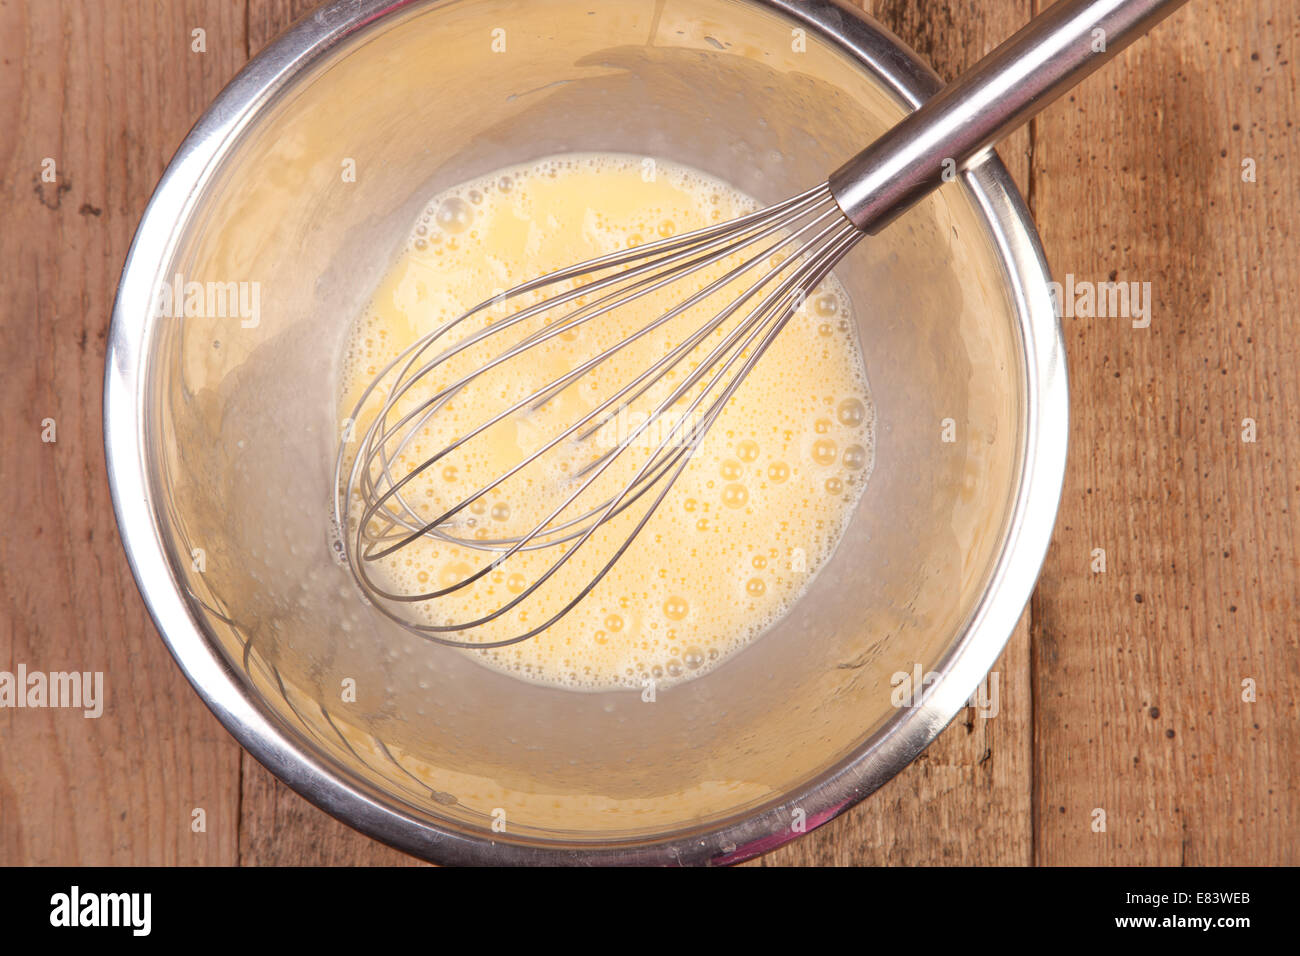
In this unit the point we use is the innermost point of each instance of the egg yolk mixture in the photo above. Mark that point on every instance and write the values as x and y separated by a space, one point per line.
756 511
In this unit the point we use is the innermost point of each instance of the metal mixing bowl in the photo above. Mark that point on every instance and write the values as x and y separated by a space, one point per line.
220 430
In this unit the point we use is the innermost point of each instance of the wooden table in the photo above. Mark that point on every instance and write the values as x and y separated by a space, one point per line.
1121 691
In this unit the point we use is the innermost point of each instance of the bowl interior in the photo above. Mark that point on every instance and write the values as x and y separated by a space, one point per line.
242 425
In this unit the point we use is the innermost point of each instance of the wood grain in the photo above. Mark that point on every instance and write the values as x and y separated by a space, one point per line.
1138 175
105 90
1138 671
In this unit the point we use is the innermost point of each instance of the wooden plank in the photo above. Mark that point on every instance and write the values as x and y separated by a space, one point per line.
1138 671
965 800
106 91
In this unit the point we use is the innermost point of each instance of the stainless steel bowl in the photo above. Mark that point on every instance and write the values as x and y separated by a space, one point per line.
220 428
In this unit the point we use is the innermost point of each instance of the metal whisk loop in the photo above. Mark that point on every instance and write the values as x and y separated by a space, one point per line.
665 252
642 384
801 239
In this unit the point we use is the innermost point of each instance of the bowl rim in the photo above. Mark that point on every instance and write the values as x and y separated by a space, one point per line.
1010 583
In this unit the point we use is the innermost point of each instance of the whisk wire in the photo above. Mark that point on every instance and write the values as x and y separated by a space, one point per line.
809 227
842 240
616 299
646 380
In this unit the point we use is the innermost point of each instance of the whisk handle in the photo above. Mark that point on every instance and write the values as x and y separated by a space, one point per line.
1049 55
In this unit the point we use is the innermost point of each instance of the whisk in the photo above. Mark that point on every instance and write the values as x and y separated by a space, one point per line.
774 258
